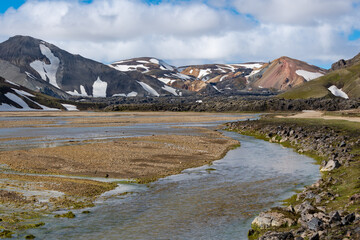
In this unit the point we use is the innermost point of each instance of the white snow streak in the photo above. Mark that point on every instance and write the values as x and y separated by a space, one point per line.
338 92
170 90
23 93
182 76
149 89
47 70
12 83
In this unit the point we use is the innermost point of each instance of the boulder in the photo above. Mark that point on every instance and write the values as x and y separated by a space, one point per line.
315 224
335 217
348 219
272 219
331 165
304 207
277 236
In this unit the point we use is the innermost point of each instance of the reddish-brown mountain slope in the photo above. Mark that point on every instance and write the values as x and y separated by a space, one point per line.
284 73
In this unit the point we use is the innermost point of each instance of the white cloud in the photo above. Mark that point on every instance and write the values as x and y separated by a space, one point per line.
192 31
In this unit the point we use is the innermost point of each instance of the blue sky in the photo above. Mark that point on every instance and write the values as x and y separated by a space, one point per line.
5 4
191 31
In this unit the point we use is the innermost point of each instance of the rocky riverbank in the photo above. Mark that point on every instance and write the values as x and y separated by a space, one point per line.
328 209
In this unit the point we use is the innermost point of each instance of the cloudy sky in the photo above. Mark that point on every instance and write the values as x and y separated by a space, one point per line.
191 31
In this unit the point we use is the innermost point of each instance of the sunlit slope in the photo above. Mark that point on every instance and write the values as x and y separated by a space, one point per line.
346 79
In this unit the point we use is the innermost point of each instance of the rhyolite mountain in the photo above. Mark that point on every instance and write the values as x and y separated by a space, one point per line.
342 81
41 66
285 73
281 74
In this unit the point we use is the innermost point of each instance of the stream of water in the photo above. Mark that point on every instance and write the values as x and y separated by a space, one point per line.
209 202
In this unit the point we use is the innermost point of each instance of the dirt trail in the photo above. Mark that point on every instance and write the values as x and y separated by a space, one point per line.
319 114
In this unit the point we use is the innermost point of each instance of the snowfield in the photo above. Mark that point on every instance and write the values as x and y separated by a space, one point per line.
47 71
308 75
99 88
338 92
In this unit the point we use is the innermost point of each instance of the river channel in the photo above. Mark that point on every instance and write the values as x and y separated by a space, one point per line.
216 201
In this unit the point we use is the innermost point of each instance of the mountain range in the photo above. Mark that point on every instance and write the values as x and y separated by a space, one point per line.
44 68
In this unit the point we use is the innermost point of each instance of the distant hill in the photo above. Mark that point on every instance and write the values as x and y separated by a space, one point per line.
343 82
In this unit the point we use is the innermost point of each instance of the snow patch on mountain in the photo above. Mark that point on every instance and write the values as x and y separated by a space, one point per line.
76 93
204 72
70 107
24 106
12 83
155 61
99 88
18 100
165 66
216 88
308 75
338 92
171 90
131 94
23 93
182 76
47 71
250 65
222 78
149 89
127 68
142 61
166 80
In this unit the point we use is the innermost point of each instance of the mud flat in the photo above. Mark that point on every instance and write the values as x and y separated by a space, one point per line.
143 158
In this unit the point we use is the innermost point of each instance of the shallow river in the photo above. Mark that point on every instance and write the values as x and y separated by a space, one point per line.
210 202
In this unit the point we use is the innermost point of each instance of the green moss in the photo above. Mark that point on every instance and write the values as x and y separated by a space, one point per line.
65 215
